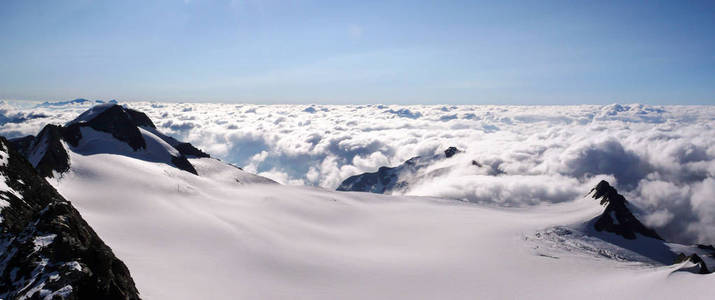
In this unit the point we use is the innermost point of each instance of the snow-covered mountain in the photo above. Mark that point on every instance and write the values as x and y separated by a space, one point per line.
221 233
619 226
105 129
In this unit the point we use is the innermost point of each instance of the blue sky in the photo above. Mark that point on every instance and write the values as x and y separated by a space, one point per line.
459 52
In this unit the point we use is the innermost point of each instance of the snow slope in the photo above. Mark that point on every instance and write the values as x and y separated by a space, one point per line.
225 235
95 142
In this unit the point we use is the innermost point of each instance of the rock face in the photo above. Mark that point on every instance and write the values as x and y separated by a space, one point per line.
23 144
117 121
699 267
617 218
627 232
48 155
47 250
189 150
45 151
451 151
389 179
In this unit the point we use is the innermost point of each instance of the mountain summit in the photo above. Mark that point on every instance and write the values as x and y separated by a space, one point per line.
619 226
105 128
617 218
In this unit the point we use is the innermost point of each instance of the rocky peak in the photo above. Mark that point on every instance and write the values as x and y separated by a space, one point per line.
115 120
140 118
699 265
451 151
389 179
23 144
53 157
48 154
45 152
617 217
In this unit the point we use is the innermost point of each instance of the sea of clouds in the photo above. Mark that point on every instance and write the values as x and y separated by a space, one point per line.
662 158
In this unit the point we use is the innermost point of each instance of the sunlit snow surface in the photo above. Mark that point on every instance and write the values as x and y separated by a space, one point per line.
194 237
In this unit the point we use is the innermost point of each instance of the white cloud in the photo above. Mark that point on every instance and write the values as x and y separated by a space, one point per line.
661 158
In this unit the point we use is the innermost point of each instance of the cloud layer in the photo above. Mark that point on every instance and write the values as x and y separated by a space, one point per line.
661 158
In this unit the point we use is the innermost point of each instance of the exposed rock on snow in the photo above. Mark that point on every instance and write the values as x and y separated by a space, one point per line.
186 149
47 250
617 218
189 150
117 121
22 144
699 266
617 234
451 151
389 179
45 152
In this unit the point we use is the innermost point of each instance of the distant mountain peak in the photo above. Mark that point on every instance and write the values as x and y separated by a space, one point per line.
617 217
113 119
388 179
451 151
113 112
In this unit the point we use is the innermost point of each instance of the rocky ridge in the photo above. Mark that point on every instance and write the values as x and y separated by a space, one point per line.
389 179
47 250
48 155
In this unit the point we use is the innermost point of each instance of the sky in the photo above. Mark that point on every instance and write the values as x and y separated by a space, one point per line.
355 52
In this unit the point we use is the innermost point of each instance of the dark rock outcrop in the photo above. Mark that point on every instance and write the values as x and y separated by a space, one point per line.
618 225
47 250
72 134
189 150
45 151
22 144
182 163
617 218
700 266
388 179
117 121
451 151
140 118
56 157
385 179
